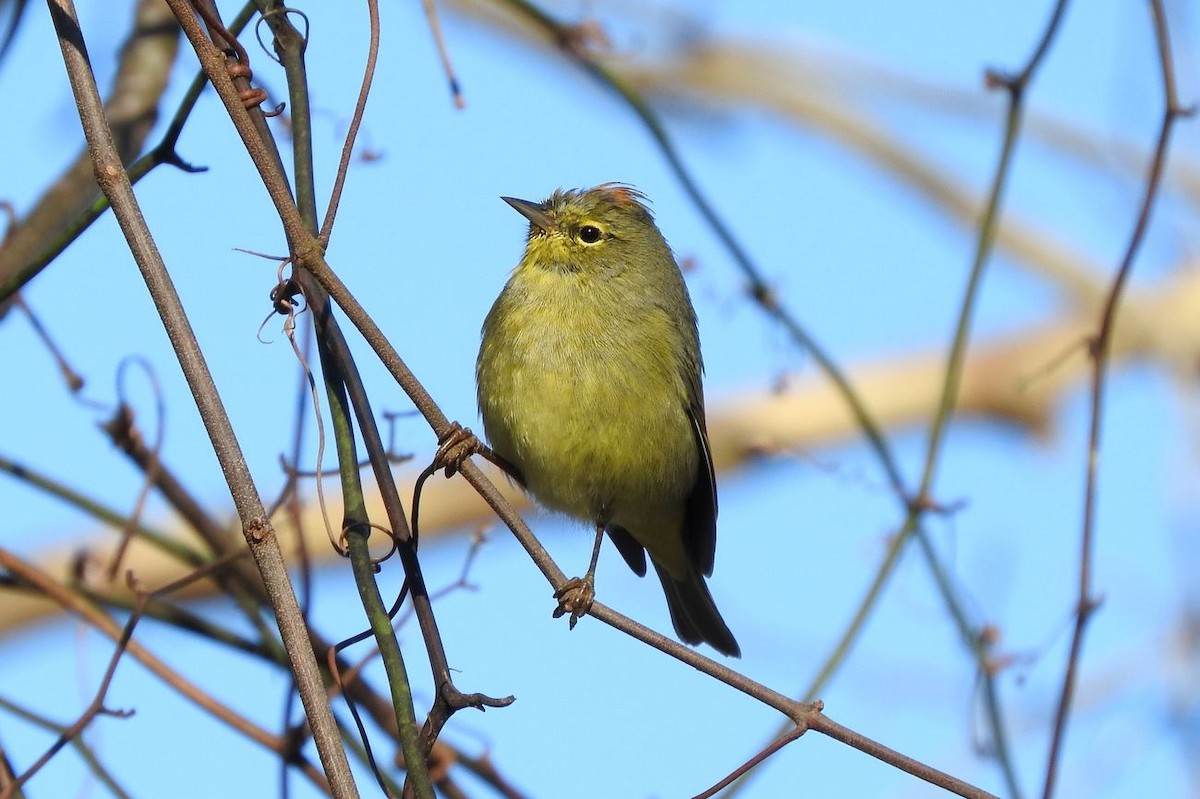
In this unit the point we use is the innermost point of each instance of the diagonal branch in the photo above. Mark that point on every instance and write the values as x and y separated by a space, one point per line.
131 110
260 536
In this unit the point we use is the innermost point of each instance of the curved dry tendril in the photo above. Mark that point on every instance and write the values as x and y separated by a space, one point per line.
274 12
343 548
239 67
283 300
340 686
122 428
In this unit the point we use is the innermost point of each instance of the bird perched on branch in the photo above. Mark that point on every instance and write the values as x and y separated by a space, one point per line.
589 385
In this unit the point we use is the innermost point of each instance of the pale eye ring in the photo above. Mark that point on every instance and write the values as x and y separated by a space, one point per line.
589 234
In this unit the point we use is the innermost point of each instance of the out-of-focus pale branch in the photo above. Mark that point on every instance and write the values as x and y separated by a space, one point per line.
838 95
854 79
1017 380
741 75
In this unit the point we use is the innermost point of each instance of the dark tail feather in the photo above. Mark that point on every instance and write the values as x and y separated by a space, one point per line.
694 615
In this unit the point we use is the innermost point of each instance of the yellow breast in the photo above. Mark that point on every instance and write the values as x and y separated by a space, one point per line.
590 405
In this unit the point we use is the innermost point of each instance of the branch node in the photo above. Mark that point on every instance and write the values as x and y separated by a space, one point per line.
257 530
170 157
765 296
584 40
925 503
457 700
994 78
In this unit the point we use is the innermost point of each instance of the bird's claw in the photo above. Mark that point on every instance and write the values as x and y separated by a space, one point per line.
575 597
458 444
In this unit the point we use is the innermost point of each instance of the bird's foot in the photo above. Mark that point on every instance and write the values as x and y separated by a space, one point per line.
458 444
575 597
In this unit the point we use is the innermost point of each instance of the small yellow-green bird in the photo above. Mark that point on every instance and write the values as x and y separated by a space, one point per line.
589 385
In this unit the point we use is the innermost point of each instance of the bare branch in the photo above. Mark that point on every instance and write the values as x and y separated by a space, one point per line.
1100 350
110 175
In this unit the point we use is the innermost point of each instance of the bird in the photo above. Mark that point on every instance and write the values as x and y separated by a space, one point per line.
589 388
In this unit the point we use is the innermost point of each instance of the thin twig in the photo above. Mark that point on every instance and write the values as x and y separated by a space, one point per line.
744 769
154 452
1017 87
89 613
71 377
1086 602
94 709
81 747
435 30
355 122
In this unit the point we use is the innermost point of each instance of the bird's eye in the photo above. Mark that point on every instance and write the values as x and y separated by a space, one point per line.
589 234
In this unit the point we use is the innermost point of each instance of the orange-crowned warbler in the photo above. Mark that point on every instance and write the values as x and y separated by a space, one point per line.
589 385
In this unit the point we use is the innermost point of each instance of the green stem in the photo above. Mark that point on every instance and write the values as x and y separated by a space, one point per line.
393 663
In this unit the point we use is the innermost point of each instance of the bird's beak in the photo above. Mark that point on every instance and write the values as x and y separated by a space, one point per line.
534 212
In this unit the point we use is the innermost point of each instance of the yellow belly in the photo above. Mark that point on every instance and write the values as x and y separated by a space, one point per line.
593 414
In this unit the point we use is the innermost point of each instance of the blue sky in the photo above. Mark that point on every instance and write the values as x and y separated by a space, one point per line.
867 265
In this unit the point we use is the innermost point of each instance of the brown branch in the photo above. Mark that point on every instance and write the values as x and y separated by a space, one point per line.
93 616
113 181
73 380
435 30
94 709
827 726
771 748
1100 350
